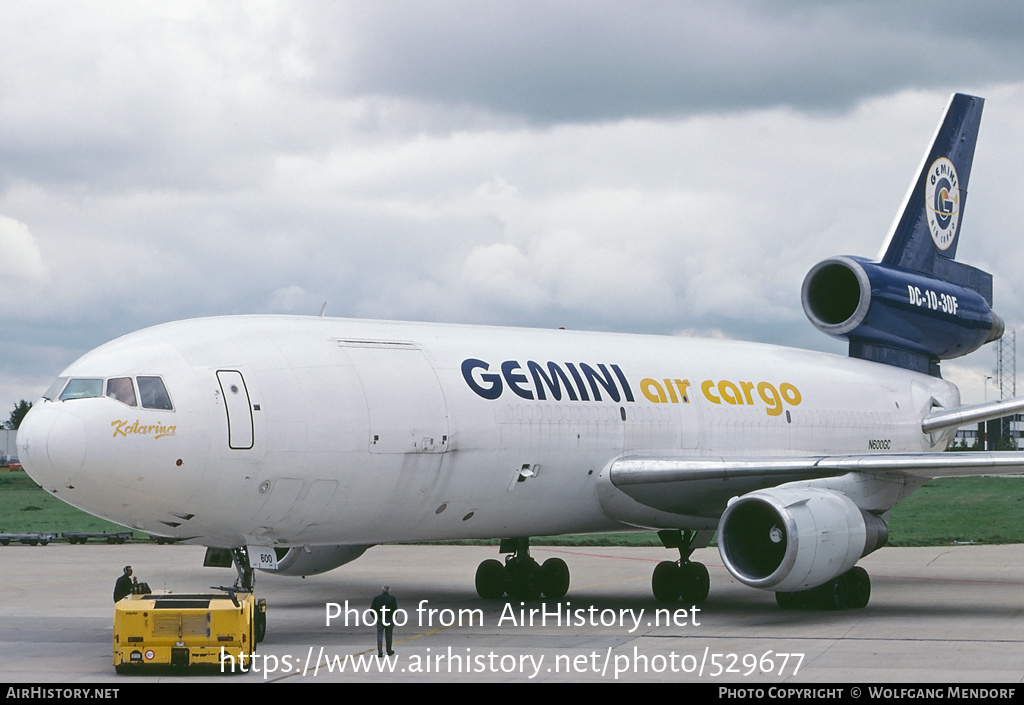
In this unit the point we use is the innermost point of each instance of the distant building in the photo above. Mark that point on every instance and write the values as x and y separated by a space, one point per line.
992 432
8 445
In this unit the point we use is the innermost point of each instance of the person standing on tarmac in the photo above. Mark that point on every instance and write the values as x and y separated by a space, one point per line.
123 586
385 605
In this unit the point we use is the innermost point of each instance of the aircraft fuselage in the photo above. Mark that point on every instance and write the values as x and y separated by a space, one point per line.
305 431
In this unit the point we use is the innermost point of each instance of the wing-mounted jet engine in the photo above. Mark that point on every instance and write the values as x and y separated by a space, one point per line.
794 540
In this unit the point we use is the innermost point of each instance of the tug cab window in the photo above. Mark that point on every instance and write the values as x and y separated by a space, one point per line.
122 389
153 393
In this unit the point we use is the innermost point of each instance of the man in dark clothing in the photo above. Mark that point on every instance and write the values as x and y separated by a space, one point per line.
385 605
123 586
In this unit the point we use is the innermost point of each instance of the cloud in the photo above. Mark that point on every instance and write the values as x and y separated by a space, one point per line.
23 263
500 273
586 61
293 299
577 164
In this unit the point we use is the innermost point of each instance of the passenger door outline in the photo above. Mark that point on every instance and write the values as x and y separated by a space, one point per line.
238 408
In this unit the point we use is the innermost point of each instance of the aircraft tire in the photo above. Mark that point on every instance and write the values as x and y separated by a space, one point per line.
554 578
833 595
694 583
490 580
859 583
261 627
665 581
789 600
522 579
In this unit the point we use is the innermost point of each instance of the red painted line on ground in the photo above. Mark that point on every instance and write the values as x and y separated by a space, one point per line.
720 565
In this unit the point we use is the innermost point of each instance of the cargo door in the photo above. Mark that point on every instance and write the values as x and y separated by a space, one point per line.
407 410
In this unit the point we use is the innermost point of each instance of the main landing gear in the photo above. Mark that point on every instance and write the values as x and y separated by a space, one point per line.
851 590
684 578
521 577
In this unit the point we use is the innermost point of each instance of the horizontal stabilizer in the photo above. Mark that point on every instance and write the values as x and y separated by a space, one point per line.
976 413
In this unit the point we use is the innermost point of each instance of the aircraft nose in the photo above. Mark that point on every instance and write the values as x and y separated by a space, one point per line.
52 444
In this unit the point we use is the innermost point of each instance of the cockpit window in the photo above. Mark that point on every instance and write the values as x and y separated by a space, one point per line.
54 390
82 389
153 393
122 389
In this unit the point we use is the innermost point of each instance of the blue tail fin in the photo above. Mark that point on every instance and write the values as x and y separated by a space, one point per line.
925 235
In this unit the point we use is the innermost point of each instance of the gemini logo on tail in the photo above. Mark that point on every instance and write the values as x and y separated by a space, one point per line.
942 202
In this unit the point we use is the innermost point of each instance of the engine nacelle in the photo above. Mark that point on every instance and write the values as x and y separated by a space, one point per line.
884 311
311 560
795 539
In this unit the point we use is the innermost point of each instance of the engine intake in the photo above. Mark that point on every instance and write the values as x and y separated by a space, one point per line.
795 539
898 316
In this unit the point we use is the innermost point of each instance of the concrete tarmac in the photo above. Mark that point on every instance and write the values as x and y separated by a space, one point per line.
937 615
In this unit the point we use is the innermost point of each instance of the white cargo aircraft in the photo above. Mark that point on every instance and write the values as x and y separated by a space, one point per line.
294 443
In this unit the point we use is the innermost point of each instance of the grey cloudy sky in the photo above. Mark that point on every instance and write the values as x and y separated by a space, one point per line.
664 167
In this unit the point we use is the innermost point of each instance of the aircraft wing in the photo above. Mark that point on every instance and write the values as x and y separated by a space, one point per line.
654 470
646 470
701 488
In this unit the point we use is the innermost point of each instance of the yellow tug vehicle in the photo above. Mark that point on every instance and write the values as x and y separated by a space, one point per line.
188 629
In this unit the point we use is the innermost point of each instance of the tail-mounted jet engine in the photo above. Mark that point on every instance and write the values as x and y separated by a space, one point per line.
898 316
788 540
